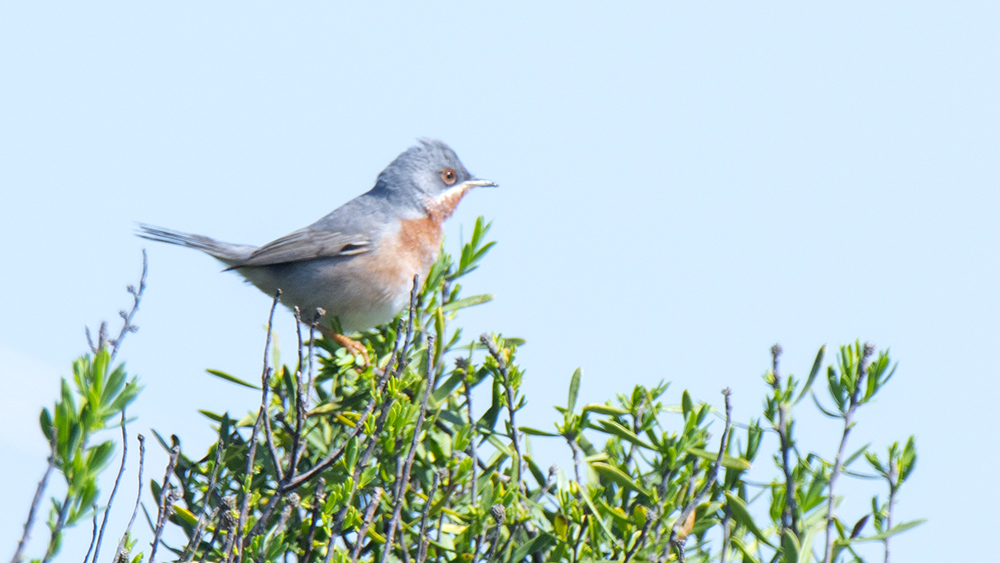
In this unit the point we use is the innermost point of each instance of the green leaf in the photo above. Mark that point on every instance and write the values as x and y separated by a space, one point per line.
604 409
467 302
748 554
742 516
819 406
537 432
232 378
817 364
850 459
536 471
728 461
597 516
212 416
615 429
897 529
539 543
574 389
687 404
45 421
789 547
185 514
98 456
616 513
616 475
561 525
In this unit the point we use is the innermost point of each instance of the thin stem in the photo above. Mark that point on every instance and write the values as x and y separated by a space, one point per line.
57 529
138 498
127 325
165 501
292 483
370 442
727 515
369 516
93 536
417 430
114 489
505 372
36 501
422 551
300 401
189 550
790 517
893 487
639 543
265 379
838 464
318 498
474 435
713 474
571 440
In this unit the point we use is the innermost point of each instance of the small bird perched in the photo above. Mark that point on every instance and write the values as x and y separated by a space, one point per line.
358 262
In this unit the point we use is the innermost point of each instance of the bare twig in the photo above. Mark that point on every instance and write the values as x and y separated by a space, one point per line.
114 489
369 516
127 317
93 536
790 518
36 500
414 294
166 504
331 458
726 517
893 478
265 386
138 498
651 515
57 529
318 498
571 440
710 478
463 364
291 503
293 482
312 333
422 550
579 538
852 406
487 340
499 514
272 450
189 550
417 429
369 444
265 379
102 337
300 402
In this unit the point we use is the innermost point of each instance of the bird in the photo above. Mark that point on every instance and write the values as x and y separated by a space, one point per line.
358 262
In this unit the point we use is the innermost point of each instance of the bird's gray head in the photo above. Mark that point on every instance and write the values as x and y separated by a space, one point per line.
427 170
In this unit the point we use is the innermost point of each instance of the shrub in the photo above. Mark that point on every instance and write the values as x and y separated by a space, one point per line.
345 461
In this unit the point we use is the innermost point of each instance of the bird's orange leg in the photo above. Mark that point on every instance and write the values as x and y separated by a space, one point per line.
353 346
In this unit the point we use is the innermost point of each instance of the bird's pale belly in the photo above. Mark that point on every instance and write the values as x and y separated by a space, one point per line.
354 289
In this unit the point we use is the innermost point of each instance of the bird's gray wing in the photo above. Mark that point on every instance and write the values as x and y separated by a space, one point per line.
306 244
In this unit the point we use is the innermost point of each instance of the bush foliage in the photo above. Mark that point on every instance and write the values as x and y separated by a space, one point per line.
347 461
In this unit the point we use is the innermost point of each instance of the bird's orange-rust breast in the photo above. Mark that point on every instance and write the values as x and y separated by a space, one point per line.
415 246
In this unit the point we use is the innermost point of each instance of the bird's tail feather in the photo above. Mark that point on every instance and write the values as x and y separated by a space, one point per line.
224 251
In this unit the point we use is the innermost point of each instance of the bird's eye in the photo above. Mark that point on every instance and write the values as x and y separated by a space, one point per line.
449 177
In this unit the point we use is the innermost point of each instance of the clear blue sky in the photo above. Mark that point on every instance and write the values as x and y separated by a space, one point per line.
698 180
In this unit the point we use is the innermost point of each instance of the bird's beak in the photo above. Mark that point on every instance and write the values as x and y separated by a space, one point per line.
479 184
